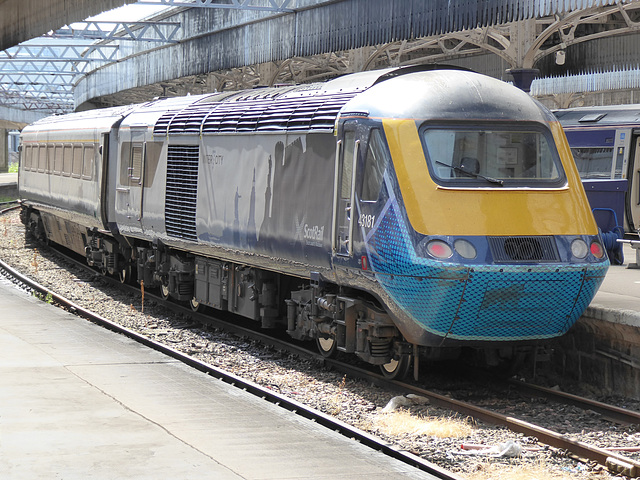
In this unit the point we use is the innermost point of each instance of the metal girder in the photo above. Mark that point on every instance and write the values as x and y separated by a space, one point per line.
28 102
263 5
518 44
522 44
37 78
76 53
164 32
46 66
39 87
61 92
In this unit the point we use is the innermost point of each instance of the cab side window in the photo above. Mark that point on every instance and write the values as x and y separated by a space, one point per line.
374 167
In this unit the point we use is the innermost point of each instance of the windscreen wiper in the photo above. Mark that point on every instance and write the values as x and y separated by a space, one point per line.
471 174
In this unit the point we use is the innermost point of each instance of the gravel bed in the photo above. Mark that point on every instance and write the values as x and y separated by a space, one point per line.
420 428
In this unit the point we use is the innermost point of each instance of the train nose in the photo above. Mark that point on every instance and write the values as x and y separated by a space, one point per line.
495 303
519 288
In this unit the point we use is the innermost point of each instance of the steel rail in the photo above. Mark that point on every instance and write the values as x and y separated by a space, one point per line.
610 412
238 382
613 461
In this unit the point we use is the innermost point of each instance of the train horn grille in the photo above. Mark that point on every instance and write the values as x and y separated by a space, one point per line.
523 249
182 191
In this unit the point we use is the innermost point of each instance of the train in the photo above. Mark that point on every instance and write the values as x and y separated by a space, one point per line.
398 215
605 142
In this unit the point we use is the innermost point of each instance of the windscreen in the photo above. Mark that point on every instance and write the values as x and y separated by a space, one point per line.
486 156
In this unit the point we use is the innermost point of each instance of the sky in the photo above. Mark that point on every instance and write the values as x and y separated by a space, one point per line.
129 13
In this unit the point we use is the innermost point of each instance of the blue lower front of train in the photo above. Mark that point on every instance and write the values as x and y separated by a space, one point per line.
476 302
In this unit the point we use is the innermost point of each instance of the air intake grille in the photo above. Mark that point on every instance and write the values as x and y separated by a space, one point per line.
313 113
182 191
523 249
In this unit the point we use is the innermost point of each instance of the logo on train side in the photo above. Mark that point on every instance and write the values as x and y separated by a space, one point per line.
312 235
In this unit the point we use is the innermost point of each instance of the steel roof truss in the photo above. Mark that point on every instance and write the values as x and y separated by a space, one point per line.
263 5
47 66
77 53
139 31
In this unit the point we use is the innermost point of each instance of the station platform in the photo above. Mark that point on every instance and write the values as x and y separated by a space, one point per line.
618 299
78 401
8 184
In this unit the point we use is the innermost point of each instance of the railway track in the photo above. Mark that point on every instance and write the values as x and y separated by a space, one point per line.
614 461
238 382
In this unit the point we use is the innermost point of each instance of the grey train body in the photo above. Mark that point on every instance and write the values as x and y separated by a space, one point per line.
287 206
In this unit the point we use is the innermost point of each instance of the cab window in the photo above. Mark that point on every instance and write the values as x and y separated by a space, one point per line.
490 156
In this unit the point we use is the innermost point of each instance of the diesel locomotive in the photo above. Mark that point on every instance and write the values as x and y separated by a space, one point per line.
396 214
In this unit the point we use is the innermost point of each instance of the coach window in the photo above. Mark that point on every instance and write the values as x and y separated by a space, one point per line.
26 157
51 149
593 162
87 165
67 160
42 158
57 160
125 155
76 167
151 159
375 165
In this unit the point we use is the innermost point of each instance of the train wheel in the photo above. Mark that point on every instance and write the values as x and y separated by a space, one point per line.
124 275
164 291
327 346
396 368
195 305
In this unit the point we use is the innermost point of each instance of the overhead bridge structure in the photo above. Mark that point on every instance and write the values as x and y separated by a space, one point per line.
198 46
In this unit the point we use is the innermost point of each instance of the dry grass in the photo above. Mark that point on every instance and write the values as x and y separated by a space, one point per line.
519 471
401 422
334 405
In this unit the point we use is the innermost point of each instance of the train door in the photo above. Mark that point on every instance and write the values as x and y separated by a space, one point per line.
129 191
103 153
633 176
344 192
136 180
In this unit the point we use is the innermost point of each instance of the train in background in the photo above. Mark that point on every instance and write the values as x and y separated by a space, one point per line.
396 215
605 142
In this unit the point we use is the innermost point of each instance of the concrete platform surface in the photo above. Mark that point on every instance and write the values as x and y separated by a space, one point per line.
8 186
78 402
618 299
8 178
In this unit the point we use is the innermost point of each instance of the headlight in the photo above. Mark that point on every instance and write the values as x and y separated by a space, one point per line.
579 248
465 248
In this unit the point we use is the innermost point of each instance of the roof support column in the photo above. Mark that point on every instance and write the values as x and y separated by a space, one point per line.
4 150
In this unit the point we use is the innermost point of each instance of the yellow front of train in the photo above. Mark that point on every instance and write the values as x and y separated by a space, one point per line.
487 235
